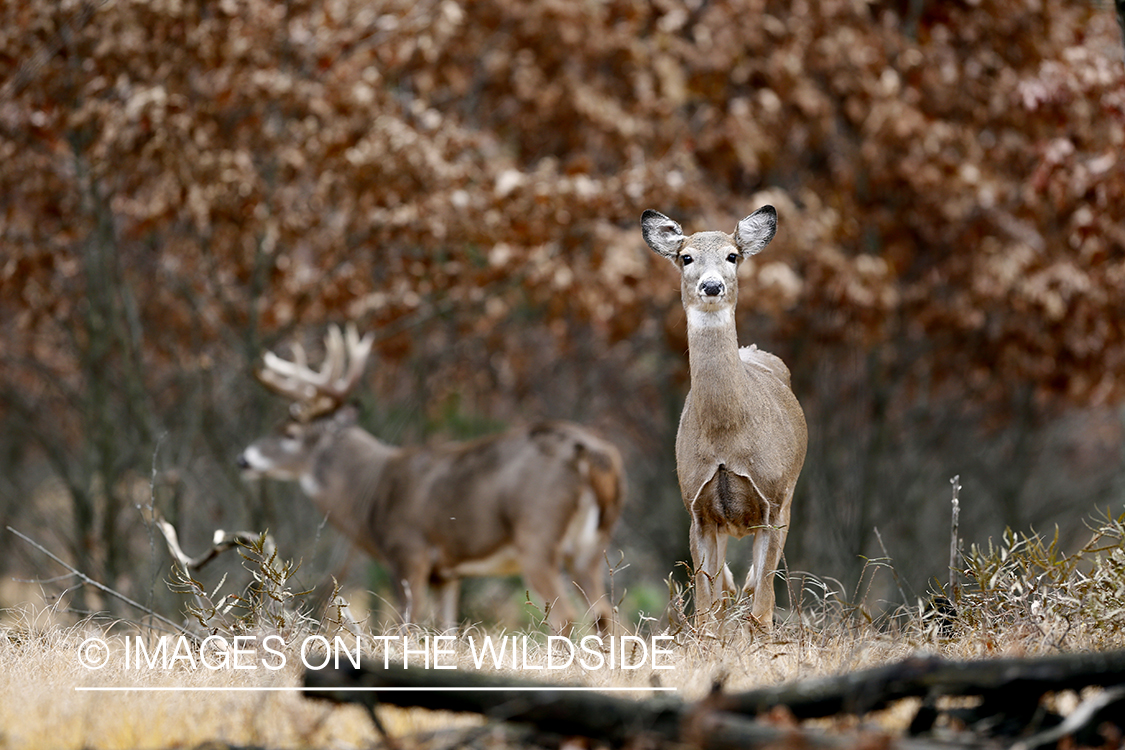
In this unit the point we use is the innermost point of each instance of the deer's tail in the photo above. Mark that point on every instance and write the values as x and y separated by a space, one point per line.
606 473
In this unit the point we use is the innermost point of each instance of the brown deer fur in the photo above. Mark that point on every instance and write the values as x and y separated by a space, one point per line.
742 436
529 501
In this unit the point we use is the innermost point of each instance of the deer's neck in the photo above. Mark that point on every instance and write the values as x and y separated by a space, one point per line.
718 379
345 479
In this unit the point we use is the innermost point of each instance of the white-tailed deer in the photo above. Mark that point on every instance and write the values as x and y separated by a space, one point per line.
742 435
529 501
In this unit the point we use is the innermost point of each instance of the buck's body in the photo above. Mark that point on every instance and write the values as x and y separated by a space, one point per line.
529 501
742 436
435 515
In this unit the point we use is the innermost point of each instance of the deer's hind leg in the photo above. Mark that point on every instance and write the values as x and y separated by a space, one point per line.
541 566
588 578
584 548
586 568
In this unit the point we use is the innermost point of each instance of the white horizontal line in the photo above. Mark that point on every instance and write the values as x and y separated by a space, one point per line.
536 689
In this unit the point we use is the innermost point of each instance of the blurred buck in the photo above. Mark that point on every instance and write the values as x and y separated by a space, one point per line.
742 436
529 501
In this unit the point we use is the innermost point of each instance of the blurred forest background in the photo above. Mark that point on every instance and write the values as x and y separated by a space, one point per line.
185 183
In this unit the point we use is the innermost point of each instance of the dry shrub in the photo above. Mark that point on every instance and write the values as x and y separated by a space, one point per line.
1028 584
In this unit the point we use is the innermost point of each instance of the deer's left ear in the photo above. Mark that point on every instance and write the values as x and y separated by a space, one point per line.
756 230
346 415
662 234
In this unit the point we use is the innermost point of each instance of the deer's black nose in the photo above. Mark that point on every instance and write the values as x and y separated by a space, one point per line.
712 287
242 462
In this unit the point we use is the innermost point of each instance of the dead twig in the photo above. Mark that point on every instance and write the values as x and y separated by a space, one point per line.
87 580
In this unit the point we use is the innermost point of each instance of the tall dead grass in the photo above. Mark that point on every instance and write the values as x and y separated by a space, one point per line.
41 704
1021 596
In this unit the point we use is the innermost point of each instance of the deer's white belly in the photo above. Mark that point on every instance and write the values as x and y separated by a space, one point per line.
579 542
502 562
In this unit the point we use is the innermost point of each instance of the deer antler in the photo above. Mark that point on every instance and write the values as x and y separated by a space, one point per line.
317 392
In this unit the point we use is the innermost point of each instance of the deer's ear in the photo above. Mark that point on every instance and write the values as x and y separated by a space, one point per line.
756 230
346 415
662 234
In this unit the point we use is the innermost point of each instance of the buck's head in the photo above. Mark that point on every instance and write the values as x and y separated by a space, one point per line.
708 261
318 412
294 449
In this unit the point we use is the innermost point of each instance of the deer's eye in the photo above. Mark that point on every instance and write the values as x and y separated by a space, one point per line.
732 258
686 259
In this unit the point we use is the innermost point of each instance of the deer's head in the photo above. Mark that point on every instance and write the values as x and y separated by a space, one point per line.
318 411
293 450
708 261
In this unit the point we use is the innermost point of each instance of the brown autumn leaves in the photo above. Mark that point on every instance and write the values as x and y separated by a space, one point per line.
950 184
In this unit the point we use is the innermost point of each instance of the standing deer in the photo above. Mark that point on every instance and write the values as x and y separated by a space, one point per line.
742 436
529 501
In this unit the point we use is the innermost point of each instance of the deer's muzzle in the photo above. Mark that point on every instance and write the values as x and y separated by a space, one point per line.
710 288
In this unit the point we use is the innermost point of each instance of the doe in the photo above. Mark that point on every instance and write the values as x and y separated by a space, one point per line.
742 436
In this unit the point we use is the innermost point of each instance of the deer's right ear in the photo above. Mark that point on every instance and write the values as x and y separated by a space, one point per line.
662 234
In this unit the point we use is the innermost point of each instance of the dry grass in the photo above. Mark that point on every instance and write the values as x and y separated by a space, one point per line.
40 705
1022 597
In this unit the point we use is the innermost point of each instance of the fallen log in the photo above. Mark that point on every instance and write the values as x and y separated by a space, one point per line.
1001 682
563 710
552 708
1010 688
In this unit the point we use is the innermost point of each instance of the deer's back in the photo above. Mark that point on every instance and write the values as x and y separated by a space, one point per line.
472 498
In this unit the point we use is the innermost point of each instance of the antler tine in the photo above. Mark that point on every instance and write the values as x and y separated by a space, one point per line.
346 360
318 391
296 371
294 379
280 376
335 358
358 350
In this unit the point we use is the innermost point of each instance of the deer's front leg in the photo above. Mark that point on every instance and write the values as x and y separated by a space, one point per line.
448 591
708 553
411 574
768 544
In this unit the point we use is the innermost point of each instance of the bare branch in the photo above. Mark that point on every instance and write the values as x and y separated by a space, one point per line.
102 587
954 538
